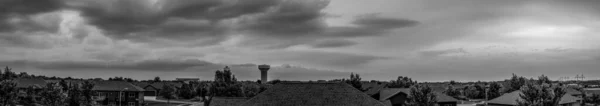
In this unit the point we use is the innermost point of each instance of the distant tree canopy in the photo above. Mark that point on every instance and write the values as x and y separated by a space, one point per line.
402 82
474 91
494 90
541 95
594 99
515 83
543 79
451 91
226 85
53 95
156 79
117 78
168 92
225 76
421 95
8 93
355 81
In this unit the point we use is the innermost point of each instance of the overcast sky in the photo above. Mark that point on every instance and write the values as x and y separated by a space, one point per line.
428 40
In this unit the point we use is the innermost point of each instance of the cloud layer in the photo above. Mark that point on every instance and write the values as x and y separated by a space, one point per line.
378 39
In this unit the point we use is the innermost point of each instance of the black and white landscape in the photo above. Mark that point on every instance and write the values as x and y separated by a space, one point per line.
300 52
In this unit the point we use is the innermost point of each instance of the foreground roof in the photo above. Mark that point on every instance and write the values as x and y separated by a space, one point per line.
115 86
312 94
227 101
511 99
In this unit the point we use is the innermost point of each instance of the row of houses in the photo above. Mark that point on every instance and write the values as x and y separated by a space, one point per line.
108 93
341 94
291 94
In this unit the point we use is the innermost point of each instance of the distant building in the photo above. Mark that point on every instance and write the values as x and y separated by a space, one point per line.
311 94
118 93
24 83
151 90
510 99
398 96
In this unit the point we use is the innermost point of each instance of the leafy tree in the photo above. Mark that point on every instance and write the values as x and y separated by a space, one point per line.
74 95
30 98
540 95
186 91
206 91
8 74
355 81
52 95
23 75
168 92
87 93
64 85
594 99
8 93
421 96
515 83
156 79
451 91
474 91
402 82
543 79
494 90
452 82
225 76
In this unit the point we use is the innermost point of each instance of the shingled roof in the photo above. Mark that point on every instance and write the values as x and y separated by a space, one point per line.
312 94
390 92
372 88
227 101
511 99
115 86
30 82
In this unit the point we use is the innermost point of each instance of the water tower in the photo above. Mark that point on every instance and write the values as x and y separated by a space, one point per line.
263 72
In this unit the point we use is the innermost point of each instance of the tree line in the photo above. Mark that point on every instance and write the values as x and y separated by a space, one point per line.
52 94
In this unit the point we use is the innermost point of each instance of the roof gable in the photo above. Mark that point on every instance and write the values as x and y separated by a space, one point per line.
511 99
321 94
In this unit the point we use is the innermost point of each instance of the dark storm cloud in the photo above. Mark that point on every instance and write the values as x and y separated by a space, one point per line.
176 20
298 19
333 43
18 16
305 27
23 8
